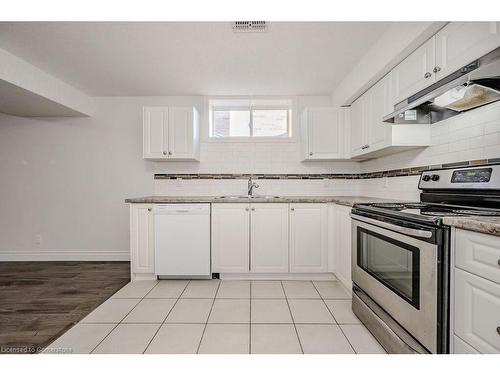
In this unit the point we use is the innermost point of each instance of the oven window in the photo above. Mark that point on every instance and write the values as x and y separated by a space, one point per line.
393 263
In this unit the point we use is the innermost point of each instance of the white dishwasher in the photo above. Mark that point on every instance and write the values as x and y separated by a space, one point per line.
182 240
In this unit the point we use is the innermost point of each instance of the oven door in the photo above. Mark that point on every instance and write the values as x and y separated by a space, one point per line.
397 268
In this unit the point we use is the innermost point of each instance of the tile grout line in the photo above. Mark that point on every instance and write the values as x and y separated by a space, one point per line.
127 314
291 315
163 322
208 317
335 319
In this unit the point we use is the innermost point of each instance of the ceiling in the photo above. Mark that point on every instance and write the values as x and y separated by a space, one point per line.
192 58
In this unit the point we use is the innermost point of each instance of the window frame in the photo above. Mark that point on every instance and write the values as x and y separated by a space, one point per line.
291 119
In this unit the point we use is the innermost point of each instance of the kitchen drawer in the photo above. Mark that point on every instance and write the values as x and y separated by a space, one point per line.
478 253
461 347
477 311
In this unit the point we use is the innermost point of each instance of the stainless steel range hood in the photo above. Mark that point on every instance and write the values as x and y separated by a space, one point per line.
472 86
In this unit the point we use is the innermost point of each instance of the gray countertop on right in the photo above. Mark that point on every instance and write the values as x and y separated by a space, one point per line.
482 224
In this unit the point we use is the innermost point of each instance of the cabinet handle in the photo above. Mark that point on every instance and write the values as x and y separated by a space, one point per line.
498 262
436 69
310 154
170 152
246 209
150 209
253 209
164 152
427 75
498 330
292 209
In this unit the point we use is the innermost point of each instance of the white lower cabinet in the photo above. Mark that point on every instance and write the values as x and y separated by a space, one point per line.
476 292
342 237
461 347
269 237
308 237
477 311
141 241
230 237
265 238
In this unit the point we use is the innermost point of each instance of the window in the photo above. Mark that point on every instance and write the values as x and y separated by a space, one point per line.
250 118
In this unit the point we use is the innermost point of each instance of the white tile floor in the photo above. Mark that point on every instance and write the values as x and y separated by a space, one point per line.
221 317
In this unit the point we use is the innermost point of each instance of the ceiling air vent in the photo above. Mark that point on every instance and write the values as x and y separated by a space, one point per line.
250 26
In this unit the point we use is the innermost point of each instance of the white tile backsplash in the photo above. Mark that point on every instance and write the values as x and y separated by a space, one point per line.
266 187
469 136
473 135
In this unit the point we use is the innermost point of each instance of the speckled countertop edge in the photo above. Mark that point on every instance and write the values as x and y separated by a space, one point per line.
342 200
481 224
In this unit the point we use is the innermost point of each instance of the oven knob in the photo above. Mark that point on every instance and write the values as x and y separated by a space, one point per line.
426 177
435 177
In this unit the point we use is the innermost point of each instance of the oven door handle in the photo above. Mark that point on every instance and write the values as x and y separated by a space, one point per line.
395 228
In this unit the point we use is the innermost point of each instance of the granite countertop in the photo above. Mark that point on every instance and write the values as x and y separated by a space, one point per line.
482 224
342 200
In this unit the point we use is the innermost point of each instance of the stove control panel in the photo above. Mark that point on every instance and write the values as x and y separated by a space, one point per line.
482 177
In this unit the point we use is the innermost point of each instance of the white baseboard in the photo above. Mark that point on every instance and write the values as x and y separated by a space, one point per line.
59 255
277 276
346 283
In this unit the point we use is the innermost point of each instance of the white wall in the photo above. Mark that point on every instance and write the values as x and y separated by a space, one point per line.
65 179
21 74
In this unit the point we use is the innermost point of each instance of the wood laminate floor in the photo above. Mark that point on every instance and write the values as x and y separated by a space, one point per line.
39 301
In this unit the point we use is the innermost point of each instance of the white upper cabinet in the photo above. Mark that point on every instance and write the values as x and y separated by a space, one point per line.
415 72
269 237
171 133
155 132
308 237
460 43
379 132
323 133
370 136
455 45
358 113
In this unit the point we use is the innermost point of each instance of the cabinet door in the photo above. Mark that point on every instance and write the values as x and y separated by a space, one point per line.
461 347
415 72
308 237
358 109
155 132
478 253
141 239
460 43
477 311
342 230
379 132
181 133
324 133
230 237
269 237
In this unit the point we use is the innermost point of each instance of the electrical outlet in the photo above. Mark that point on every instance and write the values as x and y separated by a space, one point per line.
38 239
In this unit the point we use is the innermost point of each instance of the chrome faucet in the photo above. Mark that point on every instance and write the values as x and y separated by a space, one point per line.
251 185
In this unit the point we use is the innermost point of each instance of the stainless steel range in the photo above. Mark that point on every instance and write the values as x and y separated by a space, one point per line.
401 253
